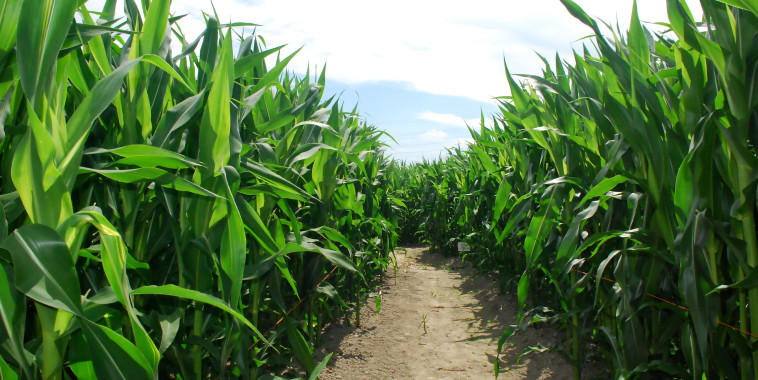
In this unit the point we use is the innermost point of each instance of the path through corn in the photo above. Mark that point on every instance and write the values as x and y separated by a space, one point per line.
438 320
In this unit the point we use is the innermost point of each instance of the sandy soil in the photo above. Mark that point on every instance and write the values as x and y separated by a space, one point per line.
438 320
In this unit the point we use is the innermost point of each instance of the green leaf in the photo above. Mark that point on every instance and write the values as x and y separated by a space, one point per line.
685 192
307 151
336 258
154 28
165 66
682 24
82 33
502 197
515 218
40 38
6 371
114 255
274 73
113 356
334 235
750 281
148 156
214 149
80 123
12 314
43 268
320 367
639 51
169 327
484 159
79 357
541 224
40 185
750 5
580 15
5 110
175 291
156 175
259 229
262 267
329 291
604 186
507 333
243 65
233 246
300 347
277 121
175 118
522 292
567 249
694 284
3 224
208 52
268 176
9 16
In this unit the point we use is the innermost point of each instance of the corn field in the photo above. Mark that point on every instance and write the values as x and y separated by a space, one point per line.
204 213
174 214
615 194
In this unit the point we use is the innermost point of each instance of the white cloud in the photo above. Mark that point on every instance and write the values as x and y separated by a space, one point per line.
443 118
438 46
433 135
450 119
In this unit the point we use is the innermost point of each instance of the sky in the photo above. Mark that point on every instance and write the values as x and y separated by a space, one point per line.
420 70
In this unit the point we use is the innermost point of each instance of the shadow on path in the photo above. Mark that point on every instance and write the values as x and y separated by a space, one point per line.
493 313
466 317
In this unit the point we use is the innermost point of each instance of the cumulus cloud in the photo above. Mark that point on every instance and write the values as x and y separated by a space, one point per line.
451 119
442 118
443 47
433 135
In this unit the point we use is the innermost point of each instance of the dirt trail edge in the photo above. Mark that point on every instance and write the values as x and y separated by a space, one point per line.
438 320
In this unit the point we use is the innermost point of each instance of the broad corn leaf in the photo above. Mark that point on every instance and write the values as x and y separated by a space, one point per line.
40 38
43 268
214 129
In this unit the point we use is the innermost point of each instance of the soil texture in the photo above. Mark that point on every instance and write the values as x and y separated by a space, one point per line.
438 319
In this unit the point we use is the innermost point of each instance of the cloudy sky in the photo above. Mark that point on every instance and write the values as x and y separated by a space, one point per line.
419 69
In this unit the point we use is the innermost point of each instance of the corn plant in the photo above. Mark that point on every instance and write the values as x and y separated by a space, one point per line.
174 214
618 192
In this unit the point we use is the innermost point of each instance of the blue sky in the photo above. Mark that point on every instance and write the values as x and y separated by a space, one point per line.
422 123
418 69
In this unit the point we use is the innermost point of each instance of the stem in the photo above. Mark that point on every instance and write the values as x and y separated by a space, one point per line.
748 230
255 302
358 311
255 291
317 341
197 330
744 361
575 334
311 320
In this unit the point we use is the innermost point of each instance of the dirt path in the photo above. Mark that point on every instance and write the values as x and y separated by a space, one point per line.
438 320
